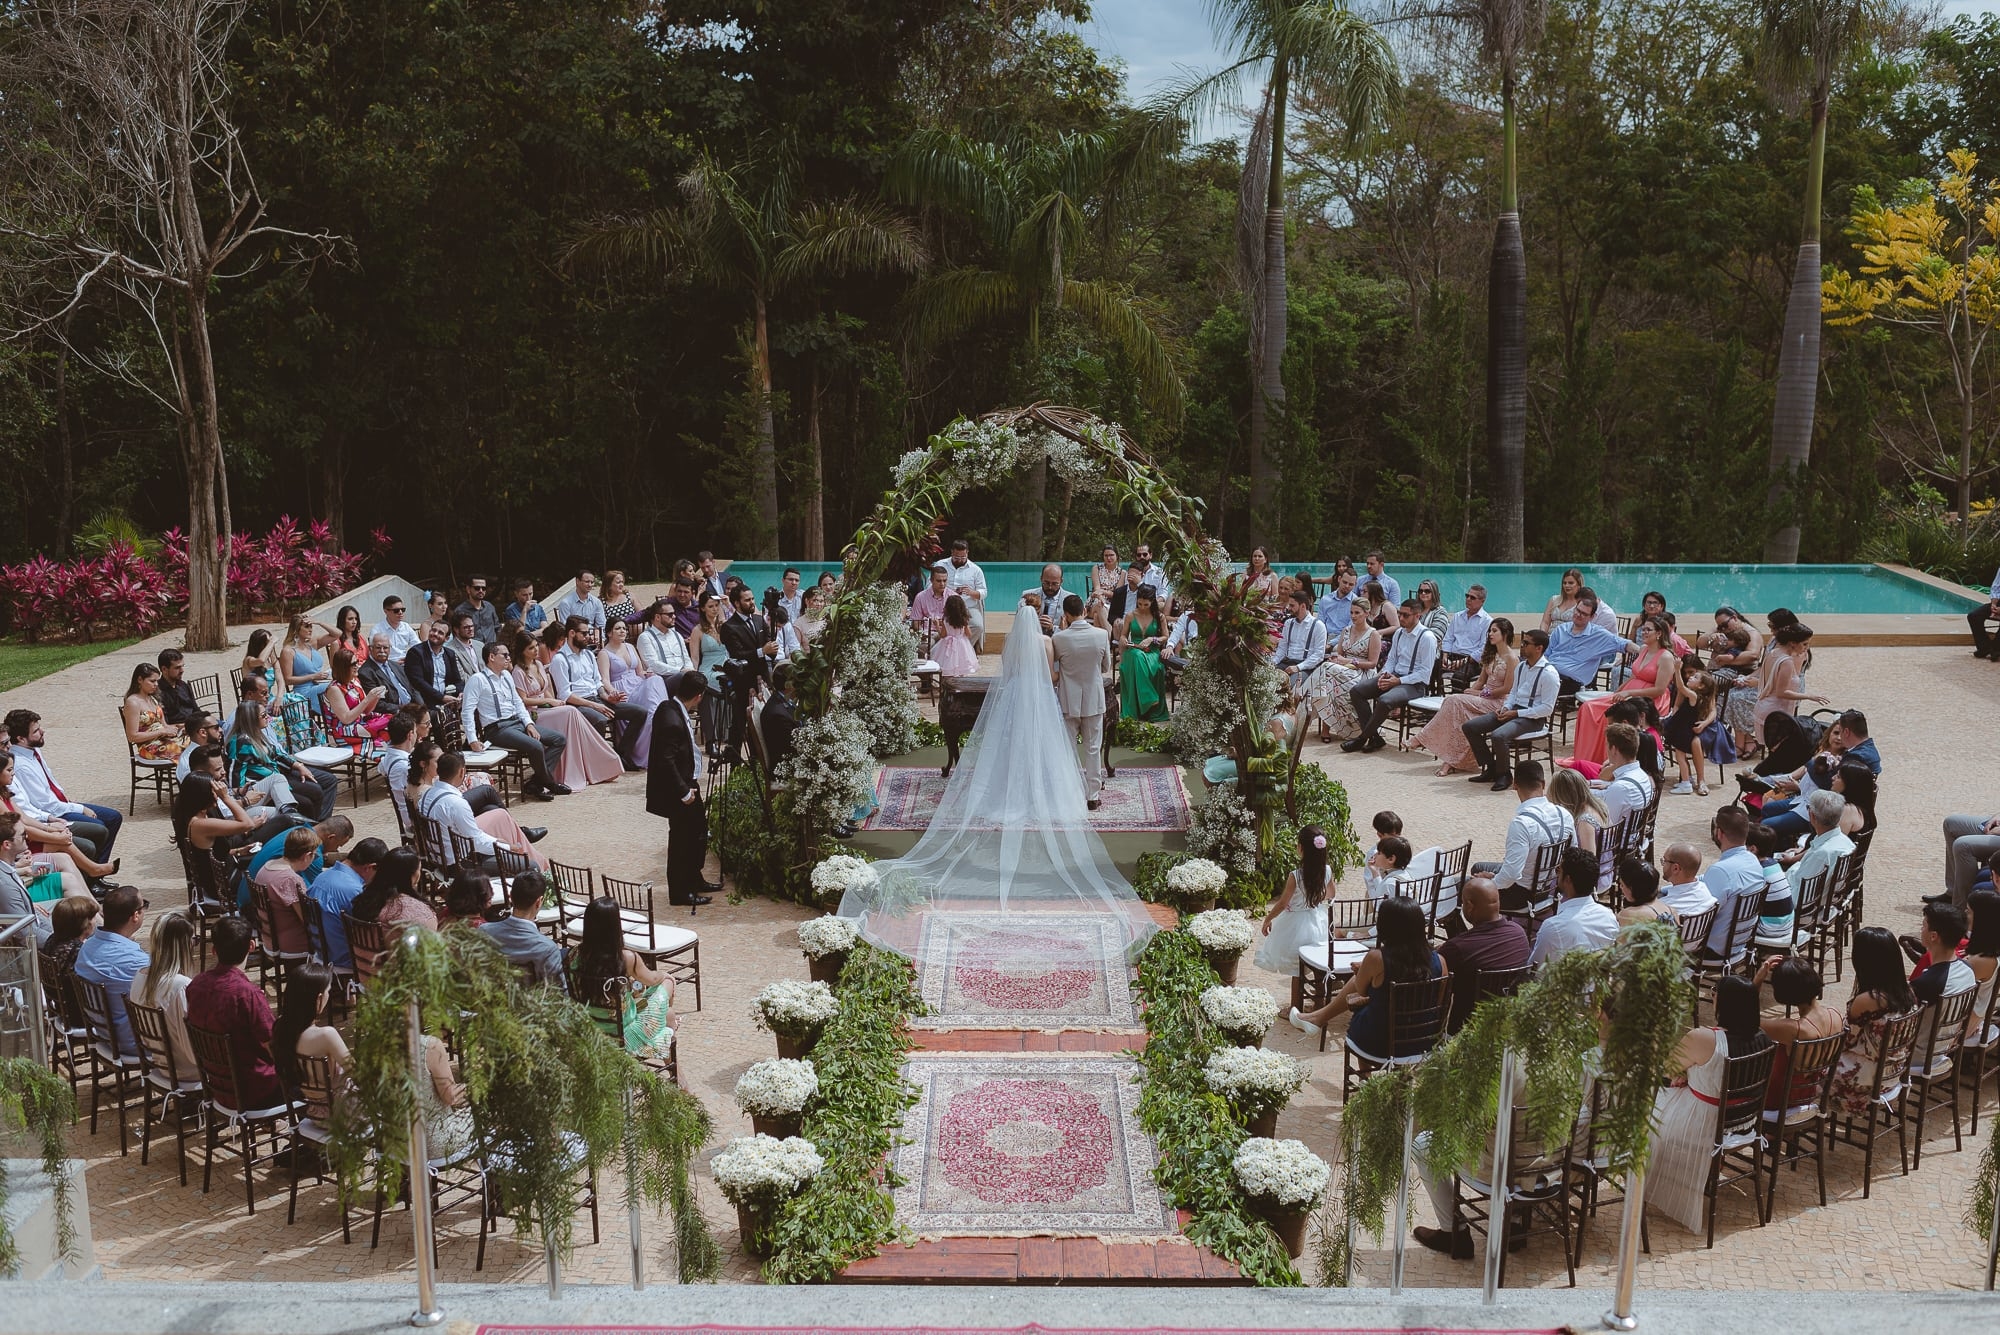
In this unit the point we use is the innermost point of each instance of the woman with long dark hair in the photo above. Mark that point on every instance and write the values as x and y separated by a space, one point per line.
1141 636
1444 735
348 633
1402 954
146 726
1795 985
301 1030
625 994
196 819
354 713
1982 956
392 896
1684 1112
1297 917
1857 783
1881 993
1639 888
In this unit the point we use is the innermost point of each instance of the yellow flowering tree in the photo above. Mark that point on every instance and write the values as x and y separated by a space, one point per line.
1929 263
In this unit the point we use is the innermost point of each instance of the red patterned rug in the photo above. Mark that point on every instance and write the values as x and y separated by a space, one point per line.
1027 1143
1024 971
1152 798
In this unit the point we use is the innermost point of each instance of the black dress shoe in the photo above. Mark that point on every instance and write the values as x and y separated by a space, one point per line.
1501 783
1456 1244
713 887
558 790
1944 898
1484 776
691 901
538 795
1095 803
106 883
534 834
1351 745
1374 743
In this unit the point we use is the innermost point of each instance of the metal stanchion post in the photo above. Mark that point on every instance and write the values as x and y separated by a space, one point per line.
554 1268
1993 1247
1620 1316
1403 1198
633 1223
427 1313
1496 1213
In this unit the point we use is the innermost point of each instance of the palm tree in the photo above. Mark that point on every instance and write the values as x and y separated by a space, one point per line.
742 230
1314 42
1031 204
1804 41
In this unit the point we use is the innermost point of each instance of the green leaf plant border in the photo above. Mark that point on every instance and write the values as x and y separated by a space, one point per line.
40 1103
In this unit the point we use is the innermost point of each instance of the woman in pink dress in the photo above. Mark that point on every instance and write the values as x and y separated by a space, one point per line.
353 714
953 652
499 823
1655 674
1444 735
587 758
1783 684
623 670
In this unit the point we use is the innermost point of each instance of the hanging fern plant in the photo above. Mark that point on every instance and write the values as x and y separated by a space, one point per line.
37 1102
543 1081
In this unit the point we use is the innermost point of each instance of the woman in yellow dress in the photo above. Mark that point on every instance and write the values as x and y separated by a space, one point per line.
146 725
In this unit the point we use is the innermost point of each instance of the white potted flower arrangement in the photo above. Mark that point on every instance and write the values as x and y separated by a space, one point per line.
1284 1183
775 1094
795 1012
1223 935
1243 1014
1257 1081
834 877
759 1173
1194 885
826 941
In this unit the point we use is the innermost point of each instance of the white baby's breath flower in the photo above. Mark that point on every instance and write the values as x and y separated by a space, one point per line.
776 1088
763 1168
1284 1171
1240 1012
1255 1079
1197 878
1222 930
792 1008
832 934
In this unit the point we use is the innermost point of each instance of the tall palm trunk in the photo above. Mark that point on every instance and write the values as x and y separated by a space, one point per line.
1267 399
1798 362
764 469
1507 353
815 523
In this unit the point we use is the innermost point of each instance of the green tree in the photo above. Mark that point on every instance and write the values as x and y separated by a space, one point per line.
743 230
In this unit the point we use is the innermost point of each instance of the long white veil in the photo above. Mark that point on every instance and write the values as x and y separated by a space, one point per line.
1011 835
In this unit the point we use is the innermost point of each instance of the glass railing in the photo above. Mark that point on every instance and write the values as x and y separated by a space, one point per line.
22 1030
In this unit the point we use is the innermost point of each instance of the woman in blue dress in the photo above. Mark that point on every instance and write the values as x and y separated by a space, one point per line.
1402 954
302 660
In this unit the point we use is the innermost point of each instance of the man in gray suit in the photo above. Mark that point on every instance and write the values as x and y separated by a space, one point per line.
1082 654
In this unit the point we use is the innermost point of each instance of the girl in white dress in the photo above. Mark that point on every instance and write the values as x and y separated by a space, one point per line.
1684 1112
1298 915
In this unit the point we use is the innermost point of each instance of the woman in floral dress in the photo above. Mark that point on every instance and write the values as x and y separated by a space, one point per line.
1444 735
1350 659
146 725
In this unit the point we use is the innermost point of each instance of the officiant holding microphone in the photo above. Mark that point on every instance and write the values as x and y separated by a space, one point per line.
1082 661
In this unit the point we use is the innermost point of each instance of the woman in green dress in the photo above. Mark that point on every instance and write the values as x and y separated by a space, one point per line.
626 996
1141 636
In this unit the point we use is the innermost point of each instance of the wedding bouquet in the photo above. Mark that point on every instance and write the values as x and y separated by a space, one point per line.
1281 1171
776 1088
1196 879
1257 1080
829 935
839 874
795 1010
762 1170
1245 1014
1222 930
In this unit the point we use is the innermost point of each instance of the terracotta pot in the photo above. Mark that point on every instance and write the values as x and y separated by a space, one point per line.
779 1125
1244 1038
1265 1124
750 1228
1191 907
1224 963
1288 1222
796 1047
827 968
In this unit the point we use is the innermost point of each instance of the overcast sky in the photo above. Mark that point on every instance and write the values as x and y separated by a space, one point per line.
1155 36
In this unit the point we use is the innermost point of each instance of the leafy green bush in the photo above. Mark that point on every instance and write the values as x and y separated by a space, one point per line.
1922 532
1321 801
1146 738
37 1102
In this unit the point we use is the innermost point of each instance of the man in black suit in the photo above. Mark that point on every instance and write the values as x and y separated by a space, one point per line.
748 636
377 670
673 790
780 717
176 696
432 672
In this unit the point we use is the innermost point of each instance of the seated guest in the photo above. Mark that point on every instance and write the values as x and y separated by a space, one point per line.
172 964
395 624
204 730
1684 1112
1881 992
579 683
1387 867
525 609
495 713
468 899
632 997
1580 922
72 921
464 644
260 658
1174 653
581 600
485 616
1982 956
112 958
17 901
1490 942
1682 889
354 712
1140 638
1352 658
284 881
1336 605
257 767
584 757
51 839
1530 702
1826 844
1777 916
176 696
391 893
198 826
1430 610
301 1030
1945 976
1795 985
315 790
663 649
302 669
1391 590
1485 693
1578 647
379 673
1301 646
1639 890
40 797
1856 786
432 669
780 718
1568 790
436 794
1537 821
1406 675
223 1000
1628 787
337 888
1655 677
1402 954
519 939
1734 874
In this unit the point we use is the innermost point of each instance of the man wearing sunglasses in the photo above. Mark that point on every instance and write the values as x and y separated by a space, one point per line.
1465 638
485 616
395 624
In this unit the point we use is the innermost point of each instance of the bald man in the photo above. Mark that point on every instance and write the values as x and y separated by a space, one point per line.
1488 942
1052 598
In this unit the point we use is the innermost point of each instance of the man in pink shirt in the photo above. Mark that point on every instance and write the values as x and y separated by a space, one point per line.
225 1001
284 878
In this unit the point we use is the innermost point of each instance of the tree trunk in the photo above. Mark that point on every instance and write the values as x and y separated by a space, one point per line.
1967 401
1267 399
208 523
1507 357
333 480
764 475
815 480
1798 367
1024 542
66 472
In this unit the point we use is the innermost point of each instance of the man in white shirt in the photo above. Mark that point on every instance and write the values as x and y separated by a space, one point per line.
578 682
1174 652
1735 874
395 624
1581 923
582 601
1527 708
1465 637
1627 786
968 581
41 797
493 712
791 599
1681 887
662 648
1537 822
1142 561
444 804
1405 676
1336 606
1301 644
1377 575
203 730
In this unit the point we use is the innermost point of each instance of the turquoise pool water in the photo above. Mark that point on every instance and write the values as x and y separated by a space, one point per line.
1848 590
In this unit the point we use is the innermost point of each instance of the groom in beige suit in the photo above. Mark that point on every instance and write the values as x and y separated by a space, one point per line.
1082 654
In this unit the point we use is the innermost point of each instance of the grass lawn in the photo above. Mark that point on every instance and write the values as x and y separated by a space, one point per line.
21 662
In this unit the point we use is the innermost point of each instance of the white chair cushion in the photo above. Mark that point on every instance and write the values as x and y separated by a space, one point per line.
483 759
925 667
1428 704
1534 736
324 756
665 938
1346 956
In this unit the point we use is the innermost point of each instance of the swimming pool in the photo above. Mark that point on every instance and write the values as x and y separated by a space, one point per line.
1842 590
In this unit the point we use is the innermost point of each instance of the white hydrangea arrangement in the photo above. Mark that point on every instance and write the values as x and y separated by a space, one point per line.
913 464
872 664
976 454
776 1088
794 1009
831 771
833 934
1257 1080
836 876
1282 1171
1195 879
1244 1013
1222 930
762 1170
1075 463
1223 830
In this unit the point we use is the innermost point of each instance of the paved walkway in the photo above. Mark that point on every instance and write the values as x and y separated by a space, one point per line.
1929 709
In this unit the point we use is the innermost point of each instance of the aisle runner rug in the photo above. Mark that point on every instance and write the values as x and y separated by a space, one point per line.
1024 971
1149 799
1027 1143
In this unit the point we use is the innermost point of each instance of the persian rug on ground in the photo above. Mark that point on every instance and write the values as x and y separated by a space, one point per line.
1152 798
1027 1143
1024 971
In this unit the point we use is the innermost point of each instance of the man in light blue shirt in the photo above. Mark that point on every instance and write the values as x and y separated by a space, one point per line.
1578 648
1735 873
582 601
1405 675
1581 923
1377 575
336 889
1336 605
110 957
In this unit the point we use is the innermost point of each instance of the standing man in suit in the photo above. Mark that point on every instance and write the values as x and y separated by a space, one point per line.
1082 660
673 790
780 718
